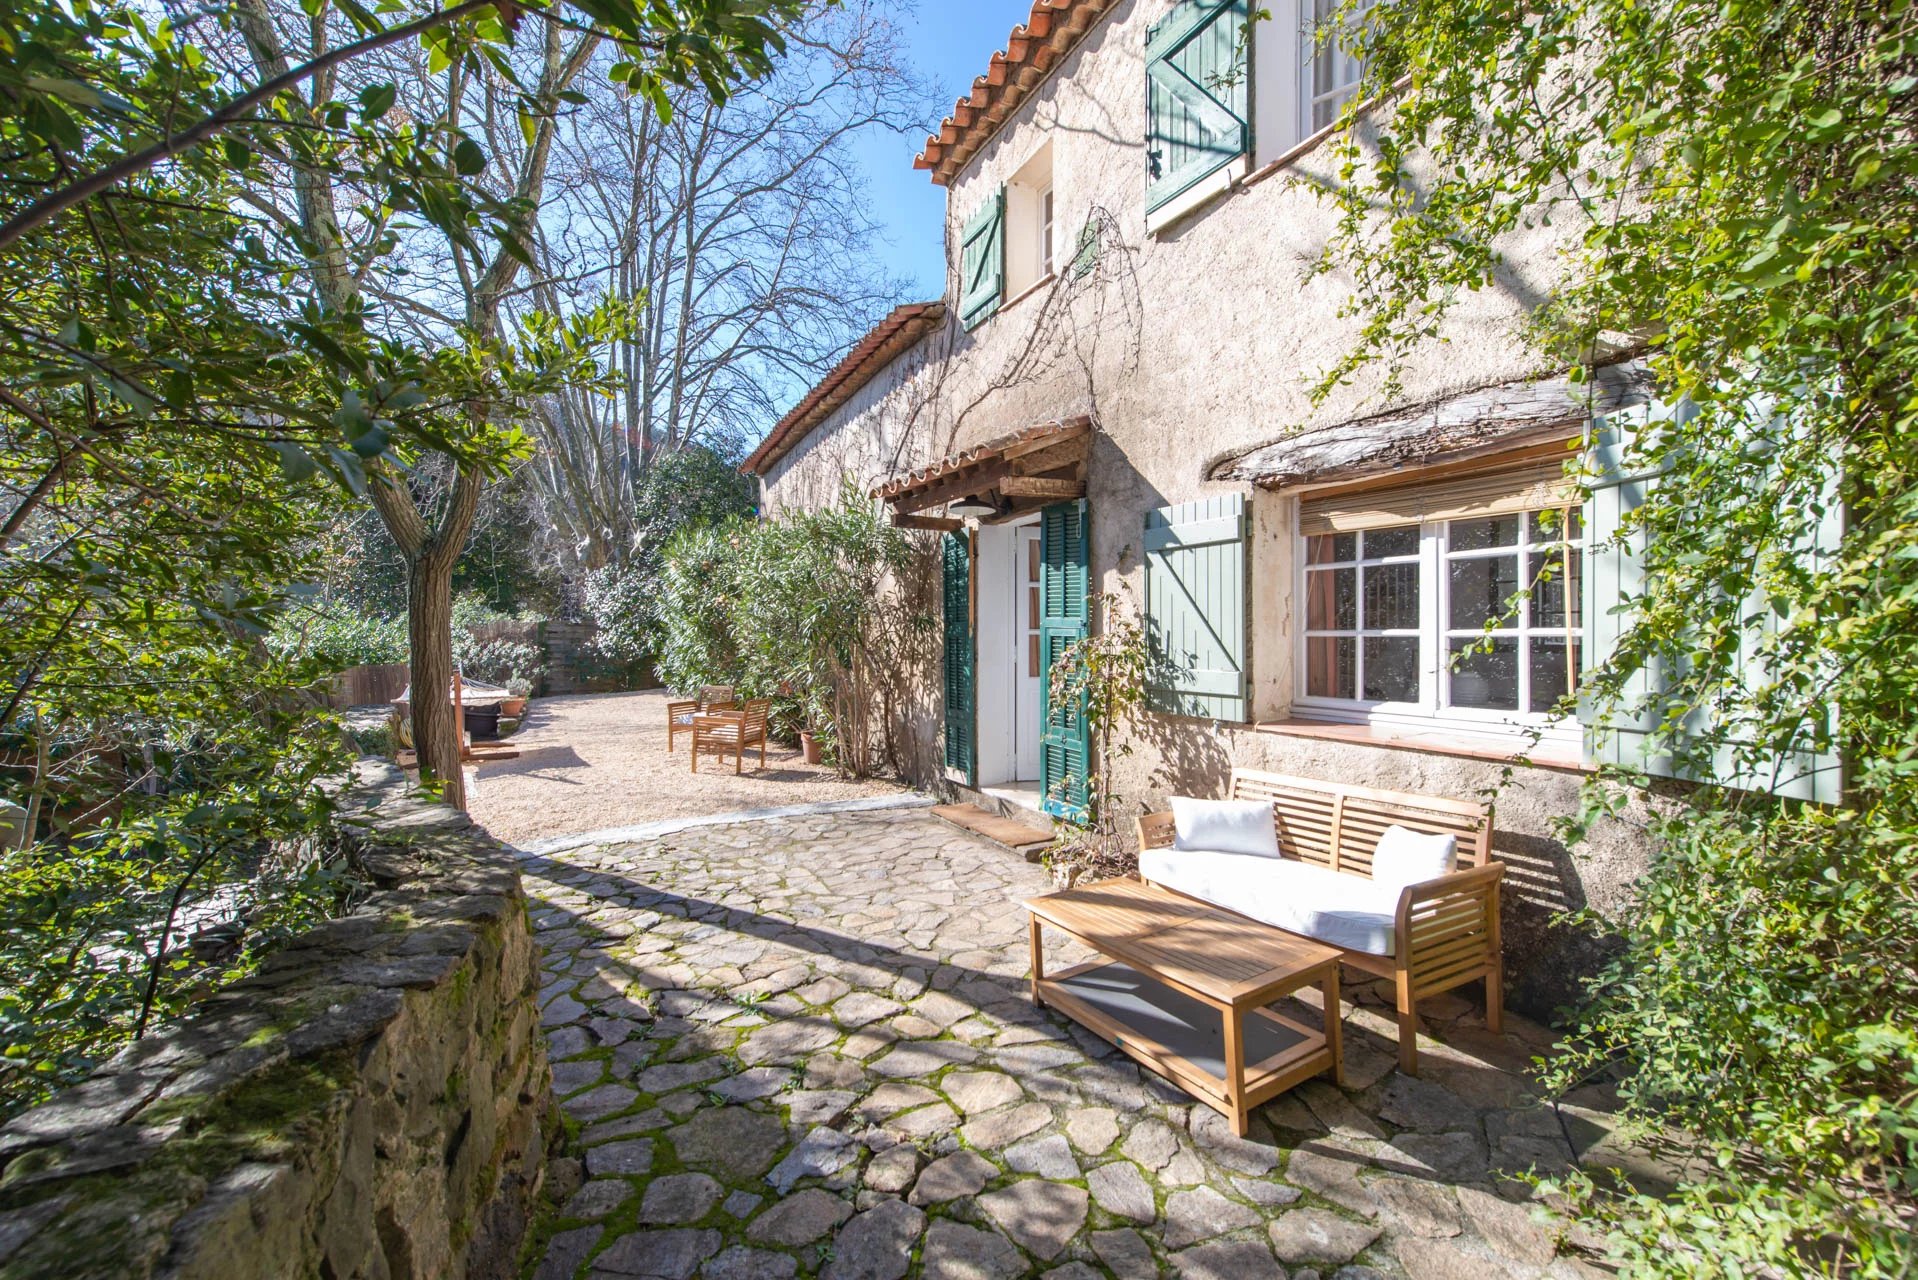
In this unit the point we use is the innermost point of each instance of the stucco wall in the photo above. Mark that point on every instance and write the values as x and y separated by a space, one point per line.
374 1102
1201 339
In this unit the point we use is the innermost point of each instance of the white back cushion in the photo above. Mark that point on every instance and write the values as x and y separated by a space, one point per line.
1404 856
1224 826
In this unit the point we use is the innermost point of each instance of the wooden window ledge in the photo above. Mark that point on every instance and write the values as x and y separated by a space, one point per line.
1547 756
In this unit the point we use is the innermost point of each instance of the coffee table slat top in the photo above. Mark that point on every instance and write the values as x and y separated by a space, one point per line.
1211 951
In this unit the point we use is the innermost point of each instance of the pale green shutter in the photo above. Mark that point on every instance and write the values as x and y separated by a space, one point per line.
982 261
1195 607
1614 577
1064 743
961 735
1197 121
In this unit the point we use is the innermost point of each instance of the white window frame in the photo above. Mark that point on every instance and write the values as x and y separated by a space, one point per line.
1045 233
1431 710
1347 72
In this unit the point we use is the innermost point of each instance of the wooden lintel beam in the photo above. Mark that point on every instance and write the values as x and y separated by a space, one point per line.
937 524
1041 487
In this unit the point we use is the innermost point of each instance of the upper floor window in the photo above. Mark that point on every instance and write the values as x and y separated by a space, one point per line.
1334 67
1198 122
1045 232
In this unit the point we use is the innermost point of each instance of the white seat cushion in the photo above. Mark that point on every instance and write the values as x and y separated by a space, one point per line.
1339 910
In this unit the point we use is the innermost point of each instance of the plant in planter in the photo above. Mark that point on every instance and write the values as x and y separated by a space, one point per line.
1106 672
518 690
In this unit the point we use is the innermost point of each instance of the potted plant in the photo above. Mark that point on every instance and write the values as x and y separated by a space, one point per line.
518 690
810 749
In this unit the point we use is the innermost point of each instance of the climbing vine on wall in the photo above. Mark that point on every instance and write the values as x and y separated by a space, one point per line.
1738 184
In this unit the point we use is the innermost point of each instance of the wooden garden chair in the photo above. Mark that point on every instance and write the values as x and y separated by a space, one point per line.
734 730
679 715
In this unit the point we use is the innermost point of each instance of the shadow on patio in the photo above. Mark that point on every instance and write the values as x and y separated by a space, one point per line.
805 1046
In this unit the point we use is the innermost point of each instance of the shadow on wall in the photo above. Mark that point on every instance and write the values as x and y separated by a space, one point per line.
1192 758
1542 883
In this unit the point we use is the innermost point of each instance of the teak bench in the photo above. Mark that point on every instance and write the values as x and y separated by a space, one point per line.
1446 932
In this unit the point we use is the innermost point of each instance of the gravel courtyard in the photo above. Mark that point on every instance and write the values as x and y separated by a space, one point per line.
803 1047
593 761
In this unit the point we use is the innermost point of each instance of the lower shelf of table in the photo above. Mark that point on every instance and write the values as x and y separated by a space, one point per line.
1183 1038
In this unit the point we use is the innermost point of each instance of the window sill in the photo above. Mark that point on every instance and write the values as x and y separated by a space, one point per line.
1464 744
1313 141
1040 285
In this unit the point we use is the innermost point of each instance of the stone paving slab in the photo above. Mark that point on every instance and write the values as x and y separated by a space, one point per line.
803 1047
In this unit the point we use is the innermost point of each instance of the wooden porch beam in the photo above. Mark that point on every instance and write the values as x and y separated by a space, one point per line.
1052 458
937 524
1041 487
960 485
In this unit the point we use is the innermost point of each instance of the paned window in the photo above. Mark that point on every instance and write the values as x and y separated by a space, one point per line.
1334 68
1045 232
1474 621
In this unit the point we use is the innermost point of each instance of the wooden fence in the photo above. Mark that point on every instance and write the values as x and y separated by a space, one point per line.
361 686
571 665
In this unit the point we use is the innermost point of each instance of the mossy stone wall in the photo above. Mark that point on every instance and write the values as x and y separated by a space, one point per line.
373 1102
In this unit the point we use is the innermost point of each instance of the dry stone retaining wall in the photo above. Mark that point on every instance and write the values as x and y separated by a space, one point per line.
373 1102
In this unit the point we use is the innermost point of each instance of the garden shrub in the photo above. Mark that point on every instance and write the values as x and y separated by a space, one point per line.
818 610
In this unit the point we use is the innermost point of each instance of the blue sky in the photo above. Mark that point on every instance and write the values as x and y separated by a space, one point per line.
950 42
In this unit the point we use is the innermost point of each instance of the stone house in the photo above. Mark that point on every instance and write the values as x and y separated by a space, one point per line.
1109 410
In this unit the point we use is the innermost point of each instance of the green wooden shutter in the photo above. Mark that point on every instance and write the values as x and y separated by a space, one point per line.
982 261
1197 121
1195 607
961 729
1614 576
1064 742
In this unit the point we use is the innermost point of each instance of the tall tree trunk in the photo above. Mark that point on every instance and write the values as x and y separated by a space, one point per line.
429 634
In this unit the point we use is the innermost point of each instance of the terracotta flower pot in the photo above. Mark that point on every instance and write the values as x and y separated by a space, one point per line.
809 748
512 707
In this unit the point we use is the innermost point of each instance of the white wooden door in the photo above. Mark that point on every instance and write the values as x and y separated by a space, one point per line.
1027 695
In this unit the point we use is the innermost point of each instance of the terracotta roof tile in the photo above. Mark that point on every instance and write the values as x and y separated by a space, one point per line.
905 325
1033 49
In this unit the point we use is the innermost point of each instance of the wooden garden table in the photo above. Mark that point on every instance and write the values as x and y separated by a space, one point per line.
1184 990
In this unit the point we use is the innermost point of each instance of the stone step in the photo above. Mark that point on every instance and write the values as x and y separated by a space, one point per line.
1020 837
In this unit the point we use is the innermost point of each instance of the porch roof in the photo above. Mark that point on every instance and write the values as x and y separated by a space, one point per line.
1486 420
1018 471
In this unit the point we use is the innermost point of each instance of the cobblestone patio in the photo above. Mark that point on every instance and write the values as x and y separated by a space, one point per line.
804 1047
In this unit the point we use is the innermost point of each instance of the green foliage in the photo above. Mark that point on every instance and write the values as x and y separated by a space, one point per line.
812 608
174 852
1736 188
1106 672
338 636
689 487
176 373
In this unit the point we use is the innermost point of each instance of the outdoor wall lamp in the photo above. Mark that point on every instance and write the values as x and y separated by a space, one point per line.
975 506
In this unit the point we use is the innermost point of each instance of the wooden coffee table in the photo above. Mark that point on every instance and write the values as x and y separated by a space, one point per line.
1185 988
